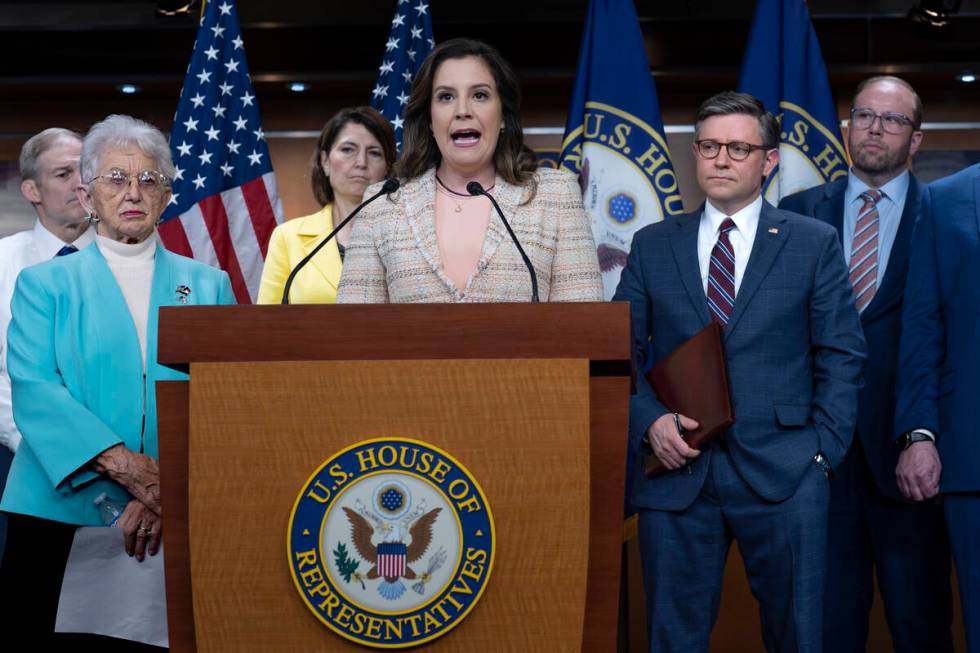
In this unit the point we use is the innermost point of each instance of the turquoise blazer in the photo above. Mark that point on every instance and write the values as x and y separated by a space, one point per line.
77 376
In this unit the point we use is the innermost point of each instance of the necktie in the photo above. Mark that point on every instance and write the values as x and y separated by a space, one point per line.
721 276
863 272
66 250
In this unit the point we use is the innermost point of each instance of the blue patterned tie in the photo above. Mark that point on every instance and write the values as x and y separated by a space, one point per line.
66 250
721 276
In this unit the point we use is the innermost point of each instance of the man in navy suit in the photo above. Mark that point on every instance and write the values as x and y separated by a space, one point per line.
873 523
939 373
777 283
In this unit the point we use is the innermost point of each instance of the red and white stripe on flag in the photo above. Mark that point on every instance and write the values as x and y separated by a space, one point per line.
391 565
230 230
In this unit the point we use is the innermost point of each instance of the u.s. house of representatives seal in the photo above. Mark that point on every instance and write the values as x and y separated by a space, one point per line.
391 542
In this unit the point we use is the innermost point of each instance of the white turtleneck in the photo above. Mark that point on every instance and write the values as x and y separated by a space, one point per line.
132 266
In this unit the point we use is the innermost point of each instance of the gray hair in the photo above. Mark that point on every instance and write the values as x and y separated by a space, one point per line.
121 131
40 143
731 102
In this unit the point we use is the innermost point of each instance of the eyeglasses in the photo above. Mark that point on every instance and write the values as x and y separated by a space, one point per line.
891 121
149 181
737 150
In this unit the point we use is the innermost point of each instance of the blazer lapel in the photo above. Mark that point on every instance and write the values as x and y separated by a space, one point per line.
163 292
508 197
831 208
684 243
769 239
894 279
976 198
313 230
116 324
418 200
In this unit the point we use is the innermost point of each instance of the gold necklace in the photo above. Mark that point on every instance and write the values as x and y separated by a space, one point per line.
456 198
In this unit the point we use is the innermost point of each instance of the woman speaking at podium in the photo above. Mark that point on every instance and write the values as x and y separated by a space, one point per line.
356 149
440 238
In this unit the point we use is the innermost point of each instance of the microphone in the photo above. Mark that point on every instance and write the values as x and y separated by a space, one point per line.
474 188
390 186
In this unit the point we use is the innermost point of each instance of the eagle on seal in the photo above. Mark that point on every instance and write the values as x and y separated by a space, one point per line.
389 559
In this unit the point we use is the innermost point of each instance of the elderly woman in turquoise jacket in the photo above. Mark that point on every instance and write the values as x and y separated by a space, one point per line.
82 360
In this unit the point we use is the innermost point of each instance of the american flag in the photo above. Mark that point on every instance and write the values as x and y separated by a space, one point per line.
409 42
225 203
391 559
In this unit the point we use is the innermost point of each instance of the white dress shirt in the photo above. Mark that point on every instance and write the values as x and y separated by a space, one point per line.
17 252
741 237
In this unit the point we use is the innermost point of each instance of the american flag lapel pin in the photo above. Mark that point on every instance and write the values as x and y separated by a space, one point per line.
774 230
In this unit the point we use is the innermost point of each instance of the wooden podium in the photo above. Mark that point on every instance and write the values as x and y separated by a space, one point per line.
531 399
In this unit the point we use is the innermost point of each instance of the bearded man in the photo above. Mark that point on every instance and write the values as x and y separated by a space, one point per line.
882 516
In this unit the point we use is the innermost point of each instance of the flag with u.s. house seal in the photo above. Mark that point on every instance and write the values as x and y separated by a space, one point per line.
783 67
614 137
391 542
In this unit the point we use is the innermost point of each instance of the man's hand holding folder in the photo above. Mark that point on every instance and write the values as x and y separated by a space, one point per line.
692 382
667 441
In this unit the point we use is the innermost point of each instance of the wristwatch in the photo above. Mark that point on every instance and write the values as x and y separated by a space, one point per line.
906 440
823 464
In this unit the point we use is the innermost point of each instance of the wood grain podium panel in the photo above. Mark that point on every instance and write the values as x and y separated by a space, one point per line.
521 427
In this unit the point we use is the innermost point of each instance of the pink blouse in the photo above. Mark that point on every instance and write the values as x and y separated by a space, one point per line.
461 228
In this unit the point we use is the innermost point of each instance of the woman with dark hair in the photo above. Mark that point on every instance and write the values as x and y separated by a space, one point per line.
432 241
356 149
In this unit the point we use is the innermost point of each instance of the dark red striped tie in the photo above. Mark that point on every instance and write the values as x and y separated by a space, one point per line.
721 276
863 271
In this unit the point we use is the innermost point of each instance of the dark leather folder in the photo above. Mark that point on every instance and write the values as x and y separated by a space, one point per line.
693 381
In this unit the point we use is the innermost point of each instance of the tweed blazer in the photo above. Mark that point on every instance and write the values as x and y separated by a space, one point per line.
394 257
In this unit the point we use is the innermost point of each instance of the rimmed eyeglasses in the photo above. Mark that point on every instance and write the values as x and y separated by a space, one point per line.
737 150
149 181
892 122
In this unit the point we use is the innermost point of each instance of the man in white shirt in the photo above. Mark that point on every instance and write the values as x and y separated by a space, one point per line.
49 170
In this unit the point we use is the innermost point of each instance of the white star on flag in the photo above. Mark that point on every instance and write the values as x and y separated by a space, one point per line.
405 50
224 203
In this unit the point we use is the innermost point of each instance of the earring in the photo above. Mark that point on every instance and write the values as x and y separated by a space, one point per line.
159 221
92 218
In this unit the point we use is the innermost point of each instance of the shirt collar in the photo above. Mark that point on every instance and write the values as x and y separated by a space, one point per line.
894 189
745 219
48 245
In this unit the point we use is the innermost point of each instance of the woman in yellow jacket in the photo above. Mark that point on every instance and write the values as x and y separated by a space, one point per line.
356 149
